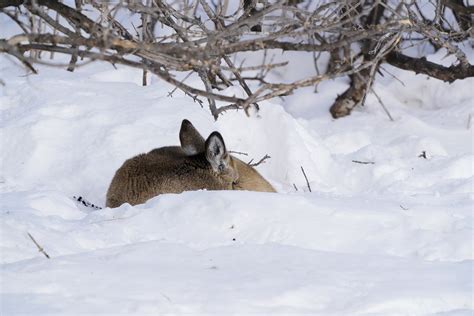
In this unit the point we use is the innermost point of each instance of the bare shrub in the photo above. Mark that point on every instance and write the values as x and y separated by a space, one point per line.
202 38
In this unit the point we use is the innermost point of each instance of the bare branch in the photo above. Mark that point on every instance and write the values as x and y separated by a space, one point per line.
423 66
358 35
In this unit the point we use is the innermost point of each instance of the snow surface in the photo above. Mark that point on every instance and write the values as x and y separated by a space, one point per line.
391 237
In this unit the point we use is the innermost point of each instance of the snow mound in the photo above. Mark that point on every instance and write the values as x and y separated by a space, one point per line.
386 230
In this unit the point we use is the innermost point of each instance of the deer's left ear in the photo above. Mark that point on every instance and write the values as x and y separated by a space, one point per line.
192 142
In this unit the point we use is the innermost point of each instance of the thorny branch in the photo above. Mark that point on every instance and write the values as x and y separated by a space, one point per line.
204 39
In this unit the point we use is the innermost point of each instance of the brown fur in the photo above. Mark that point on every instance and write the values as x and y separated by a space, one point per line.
249 178
193 166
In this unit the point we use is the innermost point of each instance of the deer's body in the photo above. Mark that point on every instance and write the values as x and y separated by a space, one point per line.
250 179
196 165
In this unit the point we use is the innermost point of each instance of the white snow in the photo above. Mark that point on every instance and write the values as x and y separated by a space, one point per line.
392 237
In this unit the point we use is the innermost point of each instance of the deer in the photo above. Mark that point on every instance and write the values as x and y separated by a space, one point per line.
198 164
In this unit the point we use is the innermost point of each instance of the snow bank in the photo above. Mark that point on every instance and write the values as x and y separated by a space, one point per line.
204 220
167 279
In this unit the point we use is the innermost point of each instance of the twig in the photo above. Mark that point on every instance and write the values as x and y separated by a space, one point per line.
170 94
259 162
392 75
382 104
296 188
39 247
307 182
364 162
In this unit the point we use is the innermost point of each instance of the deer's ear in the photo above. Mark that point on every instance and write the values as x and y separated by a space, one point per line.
216 153
192 142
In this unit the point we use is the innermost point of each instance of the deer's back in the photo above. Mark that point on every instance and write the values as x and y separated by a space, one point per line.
163 170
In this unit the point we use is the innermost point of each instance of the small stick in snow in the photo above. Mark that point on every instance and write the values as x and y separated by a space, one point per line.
307 182
296 188
39 247
144 77
364 162
422 155
166 297
469 121
403 208
259 162
382 104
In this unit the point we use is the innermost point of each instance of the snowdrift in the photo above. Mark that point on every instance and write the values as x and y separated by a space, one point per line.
386 230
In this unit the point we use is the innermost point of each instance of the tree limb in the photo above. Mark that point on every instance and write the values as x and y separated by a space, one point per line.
423 66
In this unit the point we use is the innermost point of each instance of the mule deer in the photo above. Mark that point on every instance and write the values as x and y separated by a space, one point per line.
196 164
248 178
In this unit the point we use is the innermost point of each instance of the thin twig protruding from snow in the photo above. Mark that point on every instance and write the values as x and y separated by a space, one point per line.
382 104
306 178
39 247
259 162
364 162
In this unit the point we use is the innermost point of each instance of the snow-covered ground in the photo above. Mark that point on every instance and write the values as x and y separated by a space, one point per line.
389 237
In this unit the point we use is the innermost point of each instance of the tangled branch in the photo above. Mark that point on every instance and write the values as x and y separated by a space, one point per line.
203 39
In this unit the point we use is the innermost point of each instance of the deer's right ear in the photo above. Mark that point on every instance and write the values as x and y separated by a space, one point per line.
192 142
216 153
